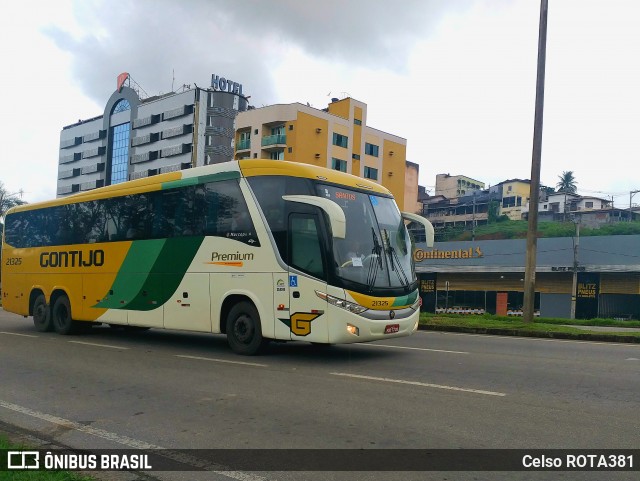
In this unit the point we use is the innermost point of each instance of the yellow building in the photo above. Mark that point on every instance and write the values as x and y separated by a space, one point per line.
336 137
515 195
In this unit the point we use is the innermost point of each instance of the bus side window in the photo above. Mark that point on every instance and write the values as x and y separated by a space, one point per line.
305 250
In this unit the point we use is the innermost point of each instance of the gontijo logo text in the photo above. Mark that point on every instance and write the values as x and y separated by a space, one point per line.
95 257
470 253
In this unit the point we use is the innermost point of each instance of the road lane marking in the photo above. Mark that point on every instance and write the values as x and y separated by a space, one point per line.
99 345
127 441
632 359
242 363
16 334
414 348
416 383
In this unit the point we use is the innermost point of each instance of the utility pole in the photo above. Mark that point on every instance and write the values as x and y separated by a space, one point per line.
574 289
631 194
532 240
473 218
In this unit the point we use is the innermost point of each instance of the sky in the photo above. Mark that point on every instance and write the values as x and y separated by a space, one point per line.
456 78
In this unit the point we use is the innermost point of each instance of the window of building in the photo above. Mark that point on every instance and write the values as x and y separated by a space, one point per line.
279 130
120 152
340 140
508 202
121 106
370 173
290 126
371 149
588 205
277 155
290 149
357 121
339 164
355 156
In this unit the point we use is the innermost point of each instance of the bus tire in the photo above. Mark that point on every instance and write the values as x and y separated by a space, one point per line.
61 316
244 331
41 314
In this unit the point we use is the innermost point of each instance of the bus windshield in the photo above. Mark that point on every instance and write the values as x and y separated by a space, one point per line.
376 251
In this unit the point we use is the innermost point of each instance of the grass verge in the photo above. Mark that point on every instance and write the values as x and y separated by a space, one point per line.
36 475
541 327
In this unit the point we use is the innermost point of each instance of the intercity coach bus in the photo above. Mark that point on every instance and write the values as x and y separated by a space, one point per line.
256 249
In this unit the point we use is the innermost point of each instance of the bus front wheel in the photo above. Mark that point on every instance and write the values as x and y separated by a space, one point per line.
41 314
61 316
244 331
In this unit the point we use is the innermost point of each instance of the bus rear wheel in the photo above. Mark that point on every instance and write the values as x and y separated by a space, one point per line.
41 314
61 316
244 331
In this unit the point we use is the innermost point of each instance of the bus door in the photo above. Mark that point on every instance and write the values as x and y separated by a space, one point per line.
307 312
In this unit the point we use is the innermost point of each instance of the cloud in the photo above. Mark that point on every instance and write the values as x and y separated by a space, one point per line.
240 40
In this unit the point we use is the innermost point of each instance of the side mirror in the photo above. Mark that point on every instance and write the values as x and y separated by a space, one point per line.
333 211
428 227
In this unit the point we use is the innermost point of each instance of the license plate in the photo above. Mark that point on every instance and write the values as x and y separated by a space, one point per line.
392 328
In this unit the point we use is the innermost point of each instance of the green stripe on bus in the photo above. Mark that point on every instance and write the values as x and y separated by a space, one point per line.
140 258
151 272
167 273
405 300
200 180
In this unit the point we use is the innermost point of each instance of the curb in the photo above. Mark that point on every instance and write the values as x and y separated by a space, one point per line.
542 335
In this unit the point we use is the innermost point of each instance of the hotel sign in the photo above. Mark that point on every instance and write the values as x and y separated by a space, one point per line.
221 83
470 253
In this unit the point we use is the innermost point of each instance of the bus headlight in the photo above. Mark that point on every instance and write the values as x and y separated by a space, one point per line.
351 329
341 303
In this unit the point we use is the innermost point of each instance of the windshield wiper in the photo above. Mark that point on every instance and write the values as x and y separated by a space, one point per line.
373 266
394 260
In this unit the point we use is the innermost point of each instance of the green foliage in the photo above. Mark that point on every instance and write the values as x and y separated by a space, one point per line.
539 327
517 229
567 182
36 475
493 210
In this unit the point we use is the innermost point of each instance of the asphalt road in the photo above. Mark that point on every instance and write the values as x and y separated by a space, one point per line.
112 389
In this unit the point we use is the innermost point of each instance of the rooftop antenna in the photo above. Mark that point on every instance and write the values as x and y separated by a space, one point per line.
137 87
173 78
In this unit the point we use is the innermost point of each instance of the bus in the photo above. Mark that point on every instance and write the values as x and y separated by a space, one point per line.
255 249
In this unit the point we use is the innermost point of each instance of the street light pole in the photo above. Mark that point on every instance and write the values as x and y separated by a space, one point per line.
532 241
574 288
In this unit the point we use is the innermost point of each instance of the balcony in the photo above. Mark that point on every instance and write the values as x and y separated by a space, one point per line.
272 141
244 144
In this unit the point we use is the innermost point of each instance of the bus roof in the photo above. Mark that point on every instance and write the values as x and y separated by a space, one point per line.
255 167
246 168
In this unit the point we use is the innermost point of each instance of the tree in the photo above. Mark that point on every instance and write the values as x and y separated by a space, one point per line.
8 200
567 182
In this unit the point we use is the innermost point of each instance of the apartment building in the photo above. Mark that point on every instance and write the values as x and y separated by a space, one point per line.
336 137
137 136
